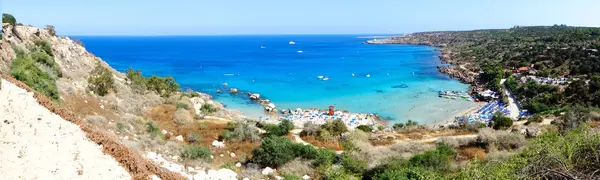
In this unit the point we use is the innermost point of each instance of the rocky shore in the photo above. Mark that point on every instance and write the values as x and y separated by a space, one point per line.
450 66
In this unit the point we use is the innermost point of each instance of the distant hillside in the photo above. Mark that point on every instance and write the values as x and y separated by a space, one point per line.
483 57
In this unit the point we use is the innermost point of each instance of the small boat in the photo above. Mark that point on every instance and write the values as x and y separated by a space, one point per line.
352 74
368 75
320 77
292 42
299 51
326 78
227 74
262 47
225 84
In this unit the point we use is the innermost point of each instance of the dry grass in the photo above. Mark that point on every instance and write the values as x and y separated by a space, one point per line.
330 144
469 153
298 167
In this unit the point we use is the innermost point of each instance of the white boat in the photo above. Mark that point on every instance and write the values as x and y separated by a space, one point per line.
292 42
352 74
299 51
326 78
262 47
368 75
320 77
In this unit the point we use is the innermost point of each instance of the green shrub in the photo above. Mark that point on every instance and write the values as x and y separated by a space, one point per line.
47 60
181 106
437 160
101 80
196 152
335 127
324 157
44 46
24 69
535 118
278 130
8 18
398 126
353 165
194 94
208 108
411 123
160 85
365 128
226 134
500 121
246 131
275 151
120 127
152 129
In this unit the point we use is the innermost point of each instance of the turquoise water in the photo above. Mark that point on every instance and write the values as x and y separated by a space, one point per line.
279 72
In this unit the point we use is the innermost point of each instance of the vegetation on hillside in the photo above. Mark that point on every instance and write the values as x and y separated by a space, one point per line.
101 80
8 18
161 85
553 51
37 68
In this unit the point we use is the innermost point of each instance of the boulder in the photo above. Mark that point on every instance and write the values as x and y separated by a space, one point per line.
305 177
218 144
233 90
254 96
238 164
179 138
267 171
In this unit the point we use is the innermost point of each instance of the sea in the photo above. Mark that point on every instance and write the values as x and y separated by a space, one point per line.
398 82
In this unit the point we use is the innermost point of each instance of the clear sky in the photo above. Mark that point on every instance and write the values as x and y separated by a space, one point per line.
190 17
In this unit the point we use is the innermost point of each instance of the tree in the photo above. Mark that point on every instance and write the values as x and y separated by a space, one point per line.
10 19
335 127
50 29
500 121
101 80
275 151
365 128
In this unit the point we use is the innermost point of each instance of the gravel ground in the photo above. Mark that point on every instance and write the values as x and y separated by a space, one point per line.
37 144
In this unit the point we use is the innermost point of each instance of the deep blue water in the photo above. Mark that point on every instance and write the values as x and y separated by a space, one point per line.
289 78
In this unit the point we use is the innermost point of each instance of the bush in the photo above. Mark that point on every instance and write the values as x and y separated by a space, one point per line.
182 106
120 127
24 69
501 140
8 18
195 152
335 127
208 108
44 46
500 121
153 130
436 160
226 134
278 130
324 157
193 137
182 117
310 129
245 131
50 29
288 176
411 123
276 151
353 165
47 60
536 118
398 126
574 117
365 128
160 85
101 80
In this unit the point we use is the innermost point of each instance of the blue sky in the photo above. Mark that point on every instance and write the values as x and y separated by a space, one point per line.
190 17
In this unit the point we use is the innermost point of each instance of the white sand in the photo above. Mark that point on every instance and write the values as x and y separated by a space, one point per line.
37 144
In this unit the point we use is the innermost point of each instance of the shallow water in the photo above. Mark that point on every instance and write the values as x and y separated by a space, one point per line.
289 78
